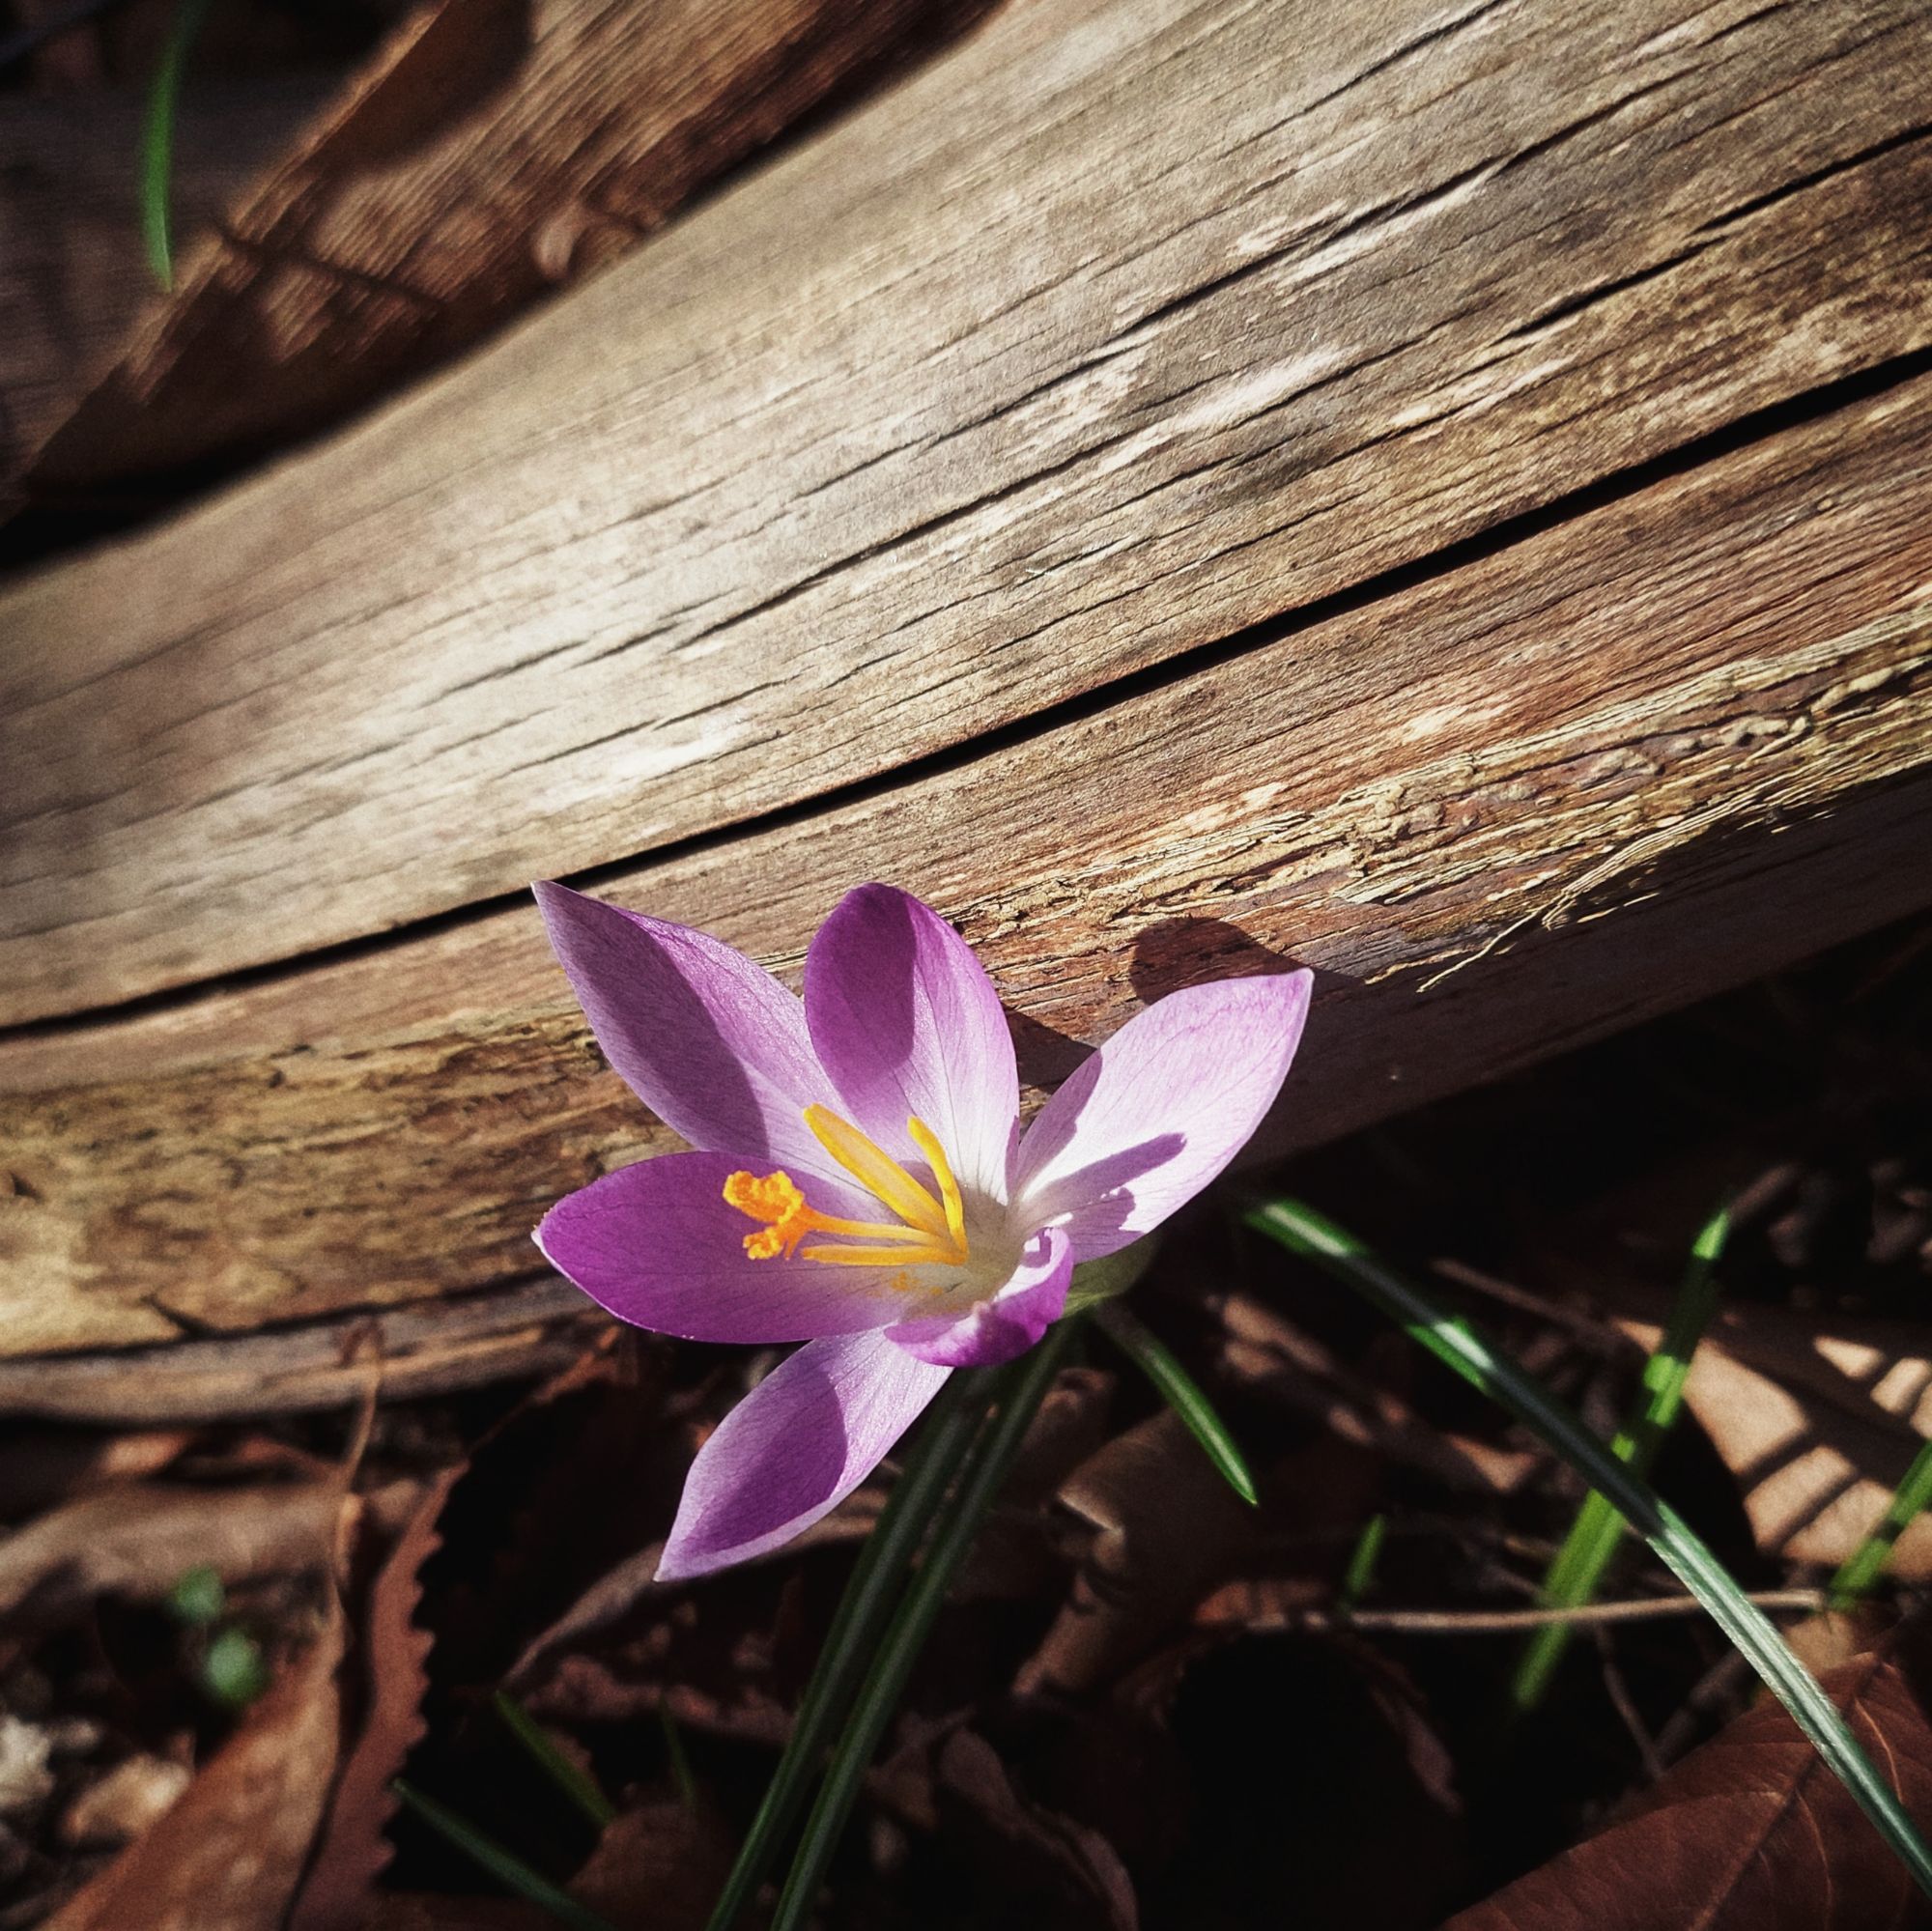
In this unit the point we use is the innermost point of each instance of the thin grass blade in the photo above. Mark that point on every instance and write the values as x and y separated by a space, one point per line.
1865 1563
1581 1563
574 1783
1180 1390
1022 1388
1303 1232
1362 1560
951 1425
157 139
504 1866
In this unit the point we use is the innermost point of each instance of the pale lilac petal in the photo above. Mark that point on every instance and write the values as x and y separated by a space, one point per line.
707 1038
795 1447
657 1244
1141 1126
1008 1324
907 1023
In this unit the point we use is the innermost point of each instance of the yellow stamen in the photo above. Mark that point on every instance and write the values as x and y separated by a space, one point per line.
928 1142
928 1232
876 1170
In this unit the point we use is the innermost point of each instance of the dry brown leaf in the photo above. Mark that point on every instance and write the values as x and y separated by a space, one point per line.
1819 1428
353 1849
492 151
659 1862
137 1540
1751 1832
1033 1849
230 1853
1165 1524
1266 1351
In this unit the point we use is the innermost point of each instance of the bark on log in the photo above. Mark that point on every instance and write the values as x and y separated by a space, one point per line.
492 153
76 271
1465 588
1117 330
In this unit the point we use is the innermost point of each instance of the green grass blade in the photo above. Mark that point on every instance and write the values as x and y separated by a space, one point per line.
1866 1563
157 138
1021 1389
951 1425
1362 1560
1458 1346
505 1867
1152 1356
1577 1572
576 1784
675 1759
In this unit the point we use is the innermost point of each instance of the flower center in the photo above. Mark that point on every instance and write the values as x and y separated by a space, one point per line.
925 1231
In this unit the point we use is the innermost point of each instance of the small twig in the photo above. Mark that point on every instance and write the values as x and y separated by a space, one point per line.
1504 1621
1624 1705
1583 1325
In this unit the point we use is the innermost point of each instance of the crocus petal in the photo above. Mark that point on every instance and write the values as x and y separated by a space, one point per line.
907 1023
657 1244
1144 1123
1006 1324
795 1447
707 1038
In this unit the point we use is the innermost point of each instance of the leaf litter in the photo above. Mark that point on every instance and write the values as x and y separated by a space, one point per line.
1144 1704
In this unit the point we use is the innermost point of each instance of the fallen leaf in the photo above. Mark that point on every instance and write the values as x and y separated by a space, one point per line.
132 1797
136 1540
1751 1833
659 1861
229 1855
1022 1851
1165 1523
1819 1428
353 1849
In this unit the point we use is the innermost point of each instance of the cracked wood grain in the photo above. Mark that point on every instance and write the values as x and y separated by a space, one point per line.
1631 758
1119 329
492 152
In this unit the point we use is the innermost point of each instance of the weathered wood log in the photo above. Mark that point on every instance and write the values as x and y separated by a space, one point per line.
1186 500
490 155
1487 855
1116 331
76 272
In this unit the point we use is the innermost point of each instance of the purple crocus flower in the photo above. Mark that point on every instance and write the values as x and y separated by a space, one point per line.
860 1182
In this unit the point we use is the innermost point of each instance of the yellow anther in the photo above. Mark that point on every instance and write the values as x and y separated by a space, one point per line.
927 1231
776 1201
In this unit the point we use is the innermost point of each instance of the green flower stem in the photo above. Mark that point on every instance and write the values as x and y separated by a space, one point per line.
1152 1356
1458 1346
505 1867
1866 1563
1021 1390
951 1425
1577 1572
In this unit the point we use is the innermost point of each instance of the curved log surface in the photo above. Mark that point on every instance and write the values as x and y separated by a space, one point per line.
1673 737
1121 328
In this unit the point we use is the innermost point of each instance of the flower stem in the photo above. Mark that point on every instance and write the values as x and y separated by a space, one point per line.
935 1460
1021 1389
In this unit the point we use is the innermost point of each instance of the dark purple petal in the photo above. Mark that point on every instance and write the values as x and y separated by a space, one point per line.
657 1244
908 1025
707 1038
1149 1119
795 1447
1008 1324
